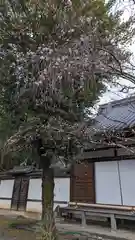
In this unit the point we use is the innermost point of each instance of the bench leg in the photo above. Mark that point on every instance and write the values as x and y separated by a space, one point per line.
113 223
55 214
83 219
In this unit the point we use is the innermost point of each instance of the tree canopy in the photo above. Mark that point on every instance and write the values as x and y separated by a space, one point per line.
55 57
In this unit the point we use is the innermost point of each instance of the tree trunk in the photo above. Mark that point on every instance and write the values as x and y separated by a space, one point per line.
47 204
49 229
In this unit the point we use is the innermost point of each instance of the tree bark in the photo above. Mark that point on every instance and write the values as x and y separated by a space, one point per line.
47 203
49 229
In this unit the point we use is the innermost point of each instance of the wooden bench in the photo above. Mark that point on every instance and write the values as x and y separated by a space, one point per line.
85 211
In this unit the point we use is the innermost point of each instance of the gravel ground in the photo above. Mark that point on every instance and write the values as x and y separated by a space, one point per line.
97 232
66 230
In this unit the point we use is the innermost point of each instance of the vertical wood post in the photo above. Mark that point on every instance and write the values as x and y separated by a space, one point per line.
113 223
83 219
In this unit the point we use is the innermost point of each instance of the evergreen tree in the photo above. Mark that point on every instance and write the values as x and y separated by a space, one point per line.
55 58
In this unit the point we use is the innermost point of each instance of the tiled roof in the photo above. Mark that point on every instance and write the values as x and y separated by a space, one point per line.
28 170
116 115
21 170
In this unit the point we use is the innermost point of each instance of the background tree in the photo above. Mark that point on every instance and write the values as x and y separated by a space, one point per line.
55 58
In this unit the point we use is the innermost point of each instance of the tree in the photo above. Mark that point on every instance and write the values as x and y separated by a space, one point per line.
55 57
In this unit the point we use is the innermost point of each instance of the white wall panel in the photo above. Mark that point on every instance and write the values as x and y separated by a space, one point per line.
62 189
6 188
35 190
61 193
34 206
5 204
127 176
107 183
31 206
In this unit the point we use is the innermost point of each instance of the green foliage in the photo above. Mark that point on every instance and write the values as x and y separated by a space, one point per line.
55 57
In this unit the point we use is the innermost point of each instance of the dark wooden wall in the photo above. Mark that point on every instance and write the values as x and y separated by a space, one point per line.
82 187
20 193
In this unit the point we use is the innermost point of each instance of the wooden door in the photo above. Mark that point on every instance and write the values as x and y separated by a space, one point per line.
23 194
16 192
20 192
82 187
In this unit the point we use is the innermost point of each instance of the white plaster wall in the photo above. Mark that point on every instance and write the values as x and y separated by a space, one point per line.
61 193
127 176
5 204
6 188
37 206
62 189
107 183
34 191
34 206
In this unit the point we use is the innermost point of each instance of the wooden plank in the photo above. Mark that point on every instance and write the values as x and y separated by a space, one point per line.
97 154
104 206
126 151
85 214
15 195
82 183
23 194
96 211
